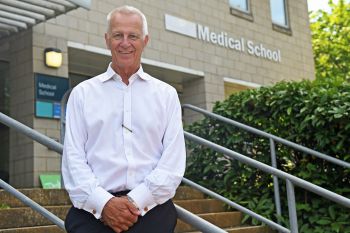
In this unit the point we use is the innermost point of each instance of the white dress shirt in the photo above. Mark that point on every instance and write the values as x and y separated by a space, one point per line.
123 137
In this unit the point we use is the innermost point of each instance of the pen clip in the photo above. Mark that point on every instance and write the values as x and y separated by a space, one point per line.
126 128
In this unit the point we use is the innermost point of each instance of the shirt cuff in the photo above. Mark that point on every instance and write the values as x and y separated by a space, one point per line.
96 201
142 198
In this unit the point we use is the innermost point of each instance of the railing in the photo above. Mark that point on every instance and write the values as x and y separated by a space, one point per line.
183 214
272 138
290 179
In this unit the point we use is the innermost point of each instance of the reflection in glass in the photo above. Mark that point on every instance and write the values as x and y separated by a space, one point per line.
278 12
239 4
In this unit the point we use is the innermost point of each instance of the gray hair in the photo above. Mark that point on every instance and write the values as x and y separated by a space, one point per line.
129 10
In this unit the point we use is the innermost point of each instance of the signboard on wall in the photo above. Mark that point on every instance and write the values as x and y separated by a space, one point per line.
49 91
221 38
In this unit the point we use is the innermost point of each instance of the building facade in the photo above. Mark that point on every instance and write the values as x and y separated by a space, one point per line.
205 49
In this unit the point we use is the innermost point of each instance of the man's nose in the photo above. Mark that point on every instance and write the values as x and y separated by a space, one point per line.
125 40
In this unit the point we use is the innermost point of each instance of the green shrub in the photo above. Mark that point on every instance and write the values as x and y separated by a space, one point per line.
312 114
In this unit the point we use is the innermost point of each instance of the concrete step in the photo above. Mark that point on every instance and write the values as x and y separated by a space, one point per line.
187 193
55 229
222 219
37 229
199 206
21 219
44 197
250 229
55 197
242 229
25 216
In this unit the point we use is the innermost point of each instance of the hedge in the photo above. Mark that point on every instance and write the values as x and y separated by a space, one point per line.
313 114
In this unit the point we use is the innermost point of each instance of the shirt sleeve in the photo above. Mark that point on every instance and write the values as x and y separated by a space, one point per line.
160 185
79 180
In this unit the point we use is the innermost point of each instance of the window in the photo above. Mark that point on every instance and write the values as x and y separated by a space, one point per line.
239 5
241 8
279 13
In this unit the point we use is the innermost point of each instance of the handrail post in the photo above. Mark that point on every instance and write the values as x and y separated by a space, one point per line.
292 207
275 179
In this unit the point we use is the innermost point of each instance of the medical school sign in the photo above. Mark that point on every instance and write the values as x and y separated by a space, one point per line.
49 91
222 39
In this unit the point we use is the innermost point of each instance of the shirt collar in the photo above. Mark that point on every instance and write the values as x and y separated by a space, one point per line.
110 73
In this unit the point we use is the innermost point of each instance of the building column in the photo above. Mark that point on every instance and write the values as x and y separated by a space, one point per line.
201 93
29 159
21 108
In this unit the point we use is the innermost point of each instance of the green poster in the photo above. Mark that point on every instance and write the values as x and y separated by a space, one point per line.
50 181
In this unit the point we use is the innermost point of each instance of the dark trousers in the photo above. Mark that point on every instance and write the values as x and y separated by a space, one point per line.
160 219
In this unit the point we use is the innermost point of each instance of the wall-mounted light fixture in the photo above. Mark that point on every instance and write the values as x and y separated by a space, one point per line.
53 57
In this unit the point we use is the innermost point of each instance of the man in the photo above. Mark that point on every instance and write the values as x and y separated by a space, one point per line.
124 151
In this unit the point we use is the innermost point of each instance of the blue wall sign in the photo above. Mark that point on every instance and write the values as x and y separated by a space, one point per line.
49 91
50 87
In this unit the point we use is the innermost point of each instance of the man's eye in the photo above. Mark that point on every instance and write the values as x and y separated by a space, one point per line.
118 36
133 37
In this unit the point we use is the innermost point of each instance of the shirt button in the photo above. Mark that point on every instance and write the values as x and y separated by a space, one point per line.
145 209
93 211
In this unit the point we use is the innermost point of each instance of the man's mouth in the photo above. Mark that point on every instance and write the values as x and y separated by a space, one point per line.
125 52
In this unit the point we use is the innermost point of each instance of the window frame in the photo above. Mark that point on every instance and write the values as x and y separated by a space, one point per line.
242 13
281 27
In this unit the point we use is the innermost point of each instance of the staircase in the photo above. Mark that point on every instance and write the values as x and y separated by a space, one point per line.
18 218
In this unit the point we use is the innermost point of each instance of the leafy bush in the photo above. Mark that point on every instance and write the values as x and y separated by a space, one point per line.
312 114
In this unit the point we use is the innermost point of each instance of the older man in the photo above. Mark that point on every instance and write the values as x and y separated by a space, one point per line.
124 151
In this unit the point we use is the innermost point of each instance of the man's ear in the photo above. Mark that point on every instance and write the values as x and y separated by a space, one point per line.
107 40
145 40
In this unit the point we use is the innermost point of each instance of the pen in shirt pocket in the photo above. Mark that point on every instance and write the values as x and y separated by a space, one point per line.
126 128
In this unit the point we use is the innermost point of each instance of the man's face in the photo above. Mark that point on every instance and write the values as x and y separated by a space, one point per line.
126 42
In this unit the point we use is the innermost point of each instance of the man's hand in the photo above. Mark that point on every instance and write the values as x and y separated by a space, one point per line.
119 214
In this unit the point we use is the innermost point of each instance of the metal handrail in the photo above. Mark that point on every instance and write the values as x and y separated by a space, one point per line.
184 215
290 179
268 135
29 132
272 138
